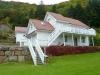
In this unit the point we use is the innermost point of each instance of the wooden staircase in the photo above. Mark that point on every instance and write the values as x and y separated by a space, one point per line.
53 36
33 54
36 53
37 57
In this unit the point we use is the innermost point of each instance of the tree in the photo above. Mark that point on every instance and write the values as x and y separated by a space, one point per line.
76 12
70 11
40 11
93 13
54 9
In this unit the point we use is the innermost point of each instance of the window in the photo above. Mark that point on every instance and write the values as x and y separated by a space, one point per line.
83 39
66 38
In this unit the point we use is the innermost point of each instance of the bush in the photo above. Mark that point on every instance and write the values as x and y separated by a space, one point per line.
66 50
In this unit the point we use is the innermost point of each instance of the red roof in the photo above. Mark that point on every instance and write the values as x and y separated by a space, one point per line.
20 29
41 25
68 20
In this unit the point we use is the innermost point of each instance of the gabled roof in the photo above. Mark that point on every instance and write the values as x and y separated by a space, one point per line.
20 29
74 22
41 25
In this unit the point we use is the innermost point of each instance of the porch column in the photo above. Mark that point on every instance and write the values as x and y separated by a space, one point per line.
44 48
87 41
72 40
93 41
20 44
64 39
80 41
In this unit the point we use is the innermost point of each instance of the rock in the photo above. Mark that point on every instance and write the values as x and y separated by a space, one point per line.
18 52
21 58
12 58
28 57
5 48
3 59
0 48
2 53
8 53
25 52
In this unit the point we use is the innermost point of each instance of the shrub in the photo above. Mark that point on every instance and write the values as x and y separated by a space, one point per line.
66 50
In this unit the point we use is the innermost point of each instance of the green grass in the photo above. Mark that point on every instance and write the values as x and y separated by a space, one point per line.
82 64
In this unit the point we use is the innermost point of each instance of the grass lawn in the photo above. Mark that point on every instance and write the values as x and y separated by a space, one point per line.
82 64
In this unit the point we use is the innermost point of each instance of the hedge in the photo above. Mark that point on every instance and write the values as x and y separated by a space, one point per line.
66 50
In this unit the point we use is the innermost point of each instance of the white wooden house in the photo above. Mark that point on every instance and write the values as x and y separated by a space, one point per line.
56 30
20 36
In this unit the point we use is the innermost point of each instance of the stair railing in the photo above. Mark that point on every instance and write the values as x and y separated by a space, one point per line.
32 52
40 52
53 36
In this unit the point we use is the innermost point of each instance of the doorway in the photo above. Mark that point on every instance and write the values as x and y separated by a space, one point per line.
75 41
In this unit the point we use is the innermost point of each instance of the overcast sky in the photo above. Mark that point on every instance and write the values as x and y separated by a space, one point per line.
38 1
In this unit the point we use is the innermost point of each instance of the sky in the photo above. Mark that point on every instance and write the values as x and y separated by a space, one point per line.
46 2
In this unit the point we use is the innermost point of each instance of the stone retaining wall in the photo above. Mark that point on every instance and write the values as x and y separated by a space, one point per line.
14 54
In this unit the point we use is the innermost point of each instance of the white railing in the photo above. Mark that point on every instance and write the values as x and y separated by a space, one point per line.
32 52
40 52
53 36
56 32
79 31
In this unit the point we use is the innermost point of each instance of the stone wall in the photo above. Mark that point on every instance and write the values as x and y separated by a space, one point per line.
14 54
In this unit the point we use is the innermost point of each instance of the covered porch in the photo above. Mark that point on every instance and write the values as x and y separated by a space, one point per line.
74 40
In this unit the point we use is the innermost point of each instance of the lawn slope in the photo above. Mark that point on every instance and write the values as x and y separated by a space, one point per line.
82 64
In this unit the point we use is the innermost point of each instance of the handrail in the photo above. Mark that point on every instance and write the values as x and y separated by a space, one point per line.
79 30
54 34
39 50
32 52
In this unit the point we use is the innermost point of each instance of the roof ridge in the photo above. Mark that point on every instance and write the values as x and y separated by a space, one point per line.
42 25
73 21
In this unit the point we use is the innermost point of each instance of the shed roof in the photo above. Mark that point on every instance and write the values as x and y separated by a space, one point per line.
20 29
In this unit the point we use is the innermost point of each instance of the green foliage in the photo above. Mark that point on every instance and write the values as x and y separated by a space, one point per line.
97 38
18 14
86 12
54 9
40 12
93 13
84 64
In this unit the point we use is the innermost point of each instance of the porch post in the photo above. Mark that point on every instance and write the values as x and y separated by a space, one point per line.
93 41
20 44
64 39
80 41
72 39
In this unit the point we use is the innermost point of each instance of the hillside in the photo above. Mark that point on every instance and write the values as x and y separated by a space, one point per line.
18 14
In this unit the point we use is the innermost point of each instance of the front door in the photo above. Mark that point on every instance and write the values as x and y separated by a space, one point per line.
75 41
